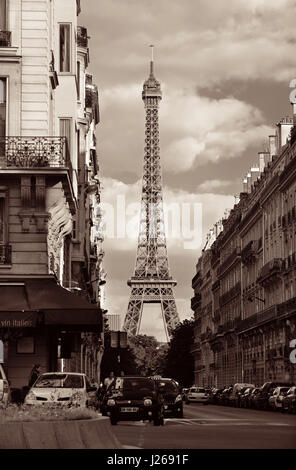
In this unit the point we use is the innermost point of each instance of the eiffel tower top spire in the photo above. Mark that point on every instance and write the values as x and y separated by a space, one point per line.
151 87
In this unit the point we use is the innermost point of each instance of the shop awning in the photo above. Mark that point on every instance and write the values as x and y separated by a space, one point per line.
29 302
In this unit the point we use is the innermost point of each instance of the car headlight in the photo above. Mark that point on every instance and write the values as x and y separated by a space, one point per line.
178 398
147 402
30 397
111 402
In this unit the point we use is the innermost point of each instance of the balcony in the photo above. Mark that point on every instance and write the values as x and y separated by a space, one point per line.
233 292
5 255
5 39
196 280
228 261
196 301
34 152
82 39
265 316
250 250
270 272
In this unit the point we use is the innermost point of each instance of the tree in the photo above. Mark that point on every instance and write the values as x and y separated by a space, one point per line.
149 354
179 363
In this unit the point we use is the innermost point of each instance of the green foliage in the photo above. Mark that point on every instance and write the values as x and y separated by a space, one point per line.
149 354
179 363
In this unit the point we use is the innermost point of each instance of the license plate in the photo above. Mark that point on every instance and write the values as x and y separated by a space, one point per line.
129 410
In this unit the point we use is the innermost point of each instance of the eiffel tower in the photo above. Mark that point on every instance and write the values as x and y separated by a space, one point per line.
151 282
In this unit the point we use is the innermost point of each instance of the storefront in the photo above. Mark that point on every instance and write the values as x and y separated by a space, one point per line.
36 316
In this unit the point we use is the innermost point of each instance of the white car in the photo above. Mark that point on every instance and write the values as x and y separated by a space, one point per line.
197 395
276 399
61 388
5 395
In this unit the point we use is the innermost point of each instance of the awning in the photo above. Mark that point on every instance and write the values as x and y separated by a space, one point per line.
31 302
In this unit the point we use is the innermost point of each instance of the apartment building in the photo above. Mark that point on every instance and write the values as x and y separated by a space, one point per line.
253 277
51 271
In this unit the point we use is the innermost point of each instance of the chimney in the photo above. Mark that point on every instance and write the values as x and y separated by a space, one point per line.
245 185
294 114
264 158
249 183
283 129
255 172
272 146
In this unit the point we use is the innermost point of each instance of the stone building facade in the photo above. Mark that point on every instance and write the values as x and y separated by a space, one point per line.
50 254
253 278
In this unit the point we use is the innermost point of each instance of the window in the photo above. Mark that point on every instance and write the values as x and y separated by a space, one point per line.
66 130
3 15
65 48
3 217
3 87
78 80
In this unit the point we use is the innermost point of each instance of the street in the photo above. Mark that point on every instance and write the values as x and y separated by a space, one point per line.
213 427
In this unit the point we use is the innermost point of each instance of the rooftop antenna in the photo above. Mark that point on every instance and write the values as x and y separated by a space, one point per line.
152 58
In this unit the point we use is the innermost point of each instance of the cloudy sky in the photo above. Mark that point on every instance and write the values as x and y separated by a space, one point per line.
225 68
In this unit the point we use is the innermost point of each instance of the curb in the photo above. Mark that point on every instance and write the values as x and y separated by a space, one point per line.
76 434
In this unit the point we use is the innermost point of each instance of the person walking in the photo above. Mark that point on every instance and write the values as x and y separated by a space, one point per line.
109 381
35 372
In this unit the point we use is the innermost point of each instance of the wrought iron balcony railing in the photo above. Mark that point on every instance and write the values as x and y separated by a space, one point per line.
271 271
229 295
82 39
5 254
5 39
228 261
34 152
196 280
196 301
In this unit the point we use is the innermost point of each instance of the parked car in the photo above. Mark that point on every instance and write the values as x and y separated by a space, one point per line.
276 399
5 394
197 395
289 401
61 388
261 401
245 397
136 399
234 398
173 403
215 397
224 397
252 397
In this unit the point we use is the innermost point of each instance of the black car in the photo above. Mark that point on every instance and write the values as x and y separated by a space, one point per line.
173 403
135 399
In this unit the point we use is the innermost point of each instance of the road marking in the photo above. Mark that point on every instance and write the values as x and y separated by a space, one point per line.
223 421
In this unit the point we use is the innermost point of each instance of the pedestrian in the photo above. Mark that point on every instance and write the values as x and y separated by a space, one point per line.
35 372
109 381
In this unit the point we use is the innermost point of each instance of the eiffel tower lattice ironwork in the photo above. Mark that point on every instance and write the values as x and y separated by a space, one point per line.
151 282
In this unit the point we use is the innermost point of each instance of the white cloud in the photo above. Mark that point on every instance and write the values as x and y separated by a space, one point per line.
211 185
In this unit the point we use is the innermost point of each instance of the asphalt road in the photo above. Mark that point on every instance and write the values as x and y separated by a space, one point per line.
213 427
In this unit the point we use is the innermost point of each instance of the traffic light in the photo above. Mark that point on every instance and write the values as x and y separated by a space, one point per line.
119 339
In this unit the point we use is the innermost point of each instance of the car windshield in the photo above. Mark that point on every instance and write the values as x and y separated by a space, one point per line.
200 390
59 381
135 384
168 386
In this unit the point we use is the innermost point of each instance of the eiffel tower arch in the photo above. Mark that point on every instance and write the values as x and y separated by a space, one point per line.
151 282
